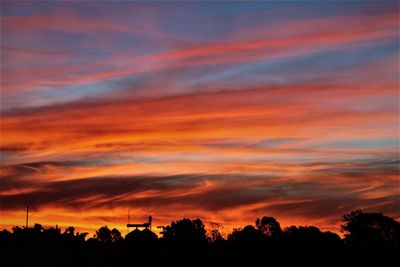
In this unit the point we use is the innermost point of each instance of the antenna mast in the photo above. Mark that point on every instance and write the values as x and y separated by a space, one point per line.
129 219
27 216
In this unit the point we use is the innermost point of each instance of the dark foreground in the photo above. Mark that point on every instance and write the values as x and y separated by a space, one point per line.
371 239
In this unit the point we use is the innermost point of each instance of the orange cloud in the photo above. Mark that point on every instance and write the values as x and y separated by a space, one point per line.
173 146
225 152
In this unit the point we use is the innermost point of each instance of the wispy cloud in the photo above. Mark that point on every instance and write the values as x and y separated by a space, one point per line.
199 110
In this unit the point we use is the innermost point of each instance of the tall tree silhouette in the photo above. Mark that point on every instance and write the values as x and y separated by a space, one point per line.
370 230
269 226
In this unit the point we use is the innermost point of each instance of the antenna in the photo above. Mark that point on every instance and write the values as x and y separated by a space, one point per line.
27 216
150 219
145 225
129 220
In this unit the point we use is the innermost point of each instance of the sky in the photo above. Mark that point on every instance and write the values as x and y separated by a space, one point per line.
223 111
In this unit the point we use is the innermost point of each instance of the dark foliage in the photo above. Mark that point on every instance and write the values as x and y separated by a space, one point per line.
269 226
185 231
371 230
369 239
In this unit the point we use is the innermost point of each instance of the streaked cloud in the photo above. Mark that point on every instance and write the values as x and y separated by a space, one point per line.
198 110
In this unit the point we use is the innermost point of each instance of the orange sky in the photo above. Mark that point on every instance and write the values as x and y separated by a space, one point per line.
198 110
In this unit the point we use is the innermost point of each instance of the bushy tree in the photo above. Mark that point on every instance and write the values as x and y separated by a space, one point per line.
105 235
215 233
269 226
185 230
370 230
247 235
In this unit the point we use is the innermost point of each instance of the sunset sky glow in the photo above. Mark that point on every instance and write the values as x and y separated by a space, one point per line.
213 110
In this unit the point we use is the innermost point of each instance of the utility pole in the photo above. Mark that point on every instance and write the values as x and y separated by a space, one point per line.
27 216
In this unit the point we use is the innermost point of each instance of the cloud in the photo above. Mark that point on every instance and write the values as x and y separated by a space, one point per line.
73 193
198 116
290 115
213 192
229 195
321 35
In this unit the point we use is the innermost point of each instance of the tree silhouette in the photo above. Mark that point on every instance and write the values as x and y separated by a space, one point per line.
116 235
185 231
370 238
214 233
38 228
370 230
269 226
246 236
105 235
70 231
310 236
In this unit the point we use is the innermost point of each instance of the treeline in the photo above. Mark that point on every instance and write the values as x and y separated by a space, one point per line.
369 238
